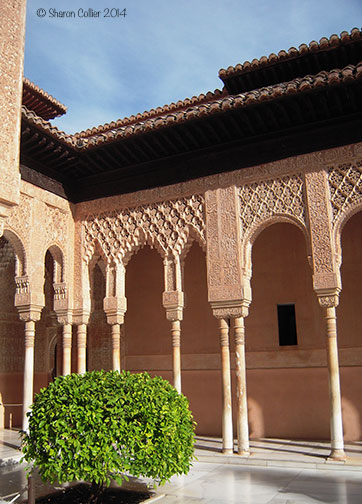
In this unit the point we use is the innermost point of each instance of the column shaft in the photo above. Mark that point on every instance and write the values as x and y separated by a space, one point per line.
336 425
242 405
227 421
176 354
82 345
67 349
28 370
116 347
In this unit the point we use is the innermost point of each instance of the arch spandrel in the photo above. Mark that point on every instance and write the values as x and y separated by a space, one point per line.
345 186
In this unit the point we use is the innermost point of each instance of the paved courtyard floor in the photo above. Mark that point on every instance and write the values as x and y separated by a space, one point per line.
277 472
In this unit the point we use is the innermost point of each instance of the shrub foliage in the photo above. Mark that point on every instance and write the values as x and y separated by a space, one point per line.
100 425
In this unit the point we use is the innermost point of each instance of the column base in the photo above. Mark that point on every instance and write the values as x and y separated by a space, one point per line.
337 455
243 453
227 451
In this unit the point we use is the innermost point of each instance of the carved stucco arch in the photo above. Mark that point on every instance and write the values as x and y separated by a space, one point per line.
19 251
193 236
251 235
338 227
165 226
143 239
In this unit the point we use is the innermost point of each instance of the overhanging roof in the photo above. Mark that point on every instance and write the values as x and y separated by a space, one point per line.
207 134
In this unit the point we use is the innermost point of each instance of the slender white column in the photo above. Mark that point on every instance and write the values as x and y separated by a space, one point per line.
176 354
28 370
116 347
227 420
82 345
67 349
242 404
336 424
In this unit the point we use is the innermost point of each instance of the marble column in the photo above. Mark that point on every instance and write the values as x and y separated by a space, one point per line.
241 397
116 347
29 315
173 302
115 307
336 424
227 420
81 348
67 349
176 354
28 370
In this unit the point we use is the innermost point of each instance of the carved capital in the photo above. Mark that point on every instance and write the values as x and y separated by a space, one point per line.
64 317
230 309
80 316
115 309
328 301
328 298
29 313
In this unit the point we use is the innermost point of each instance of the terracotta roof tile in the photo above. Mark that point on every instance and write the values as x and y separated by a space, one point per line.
153 113
42 103
272 59
348 74
46 126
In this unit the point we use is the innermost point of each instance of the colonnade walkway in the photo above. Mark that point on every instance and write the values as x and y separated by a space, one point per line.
263 452
277 472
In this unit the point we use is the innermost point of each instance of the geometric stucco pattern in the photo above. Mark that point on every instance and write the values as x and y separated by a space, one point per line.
345 184
261 200
55 225
165 225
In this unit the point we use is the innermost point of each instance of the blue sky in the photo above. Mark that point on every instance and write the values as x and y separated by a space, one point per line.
107 68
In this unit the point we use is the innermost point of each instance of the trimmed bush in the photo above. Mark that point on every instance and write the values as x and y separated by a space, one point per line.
97 426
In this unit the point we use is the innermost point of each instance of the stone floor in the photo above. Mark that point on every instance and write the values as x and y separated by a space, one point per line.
277 472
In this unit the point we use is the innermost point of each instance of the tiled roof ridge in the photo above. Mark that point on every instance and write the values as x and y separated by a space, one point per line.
34 88
292 53
348 74
152 113
33 118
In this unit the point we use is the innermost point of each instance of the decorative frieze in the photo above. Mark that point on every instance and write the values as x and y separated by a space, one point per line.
166 226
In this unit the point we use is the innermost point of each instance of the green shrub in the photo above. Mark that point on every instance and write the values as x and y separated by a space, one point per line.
97 426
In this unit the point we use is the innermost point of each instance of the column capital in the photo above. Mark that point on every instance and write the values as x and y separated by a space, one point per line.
173 302
230 309
64 317
29 313
115 308
80 316
328 298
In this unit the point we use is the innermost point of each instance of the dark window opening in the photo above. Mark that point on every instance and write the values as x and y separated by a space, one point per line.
287 325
